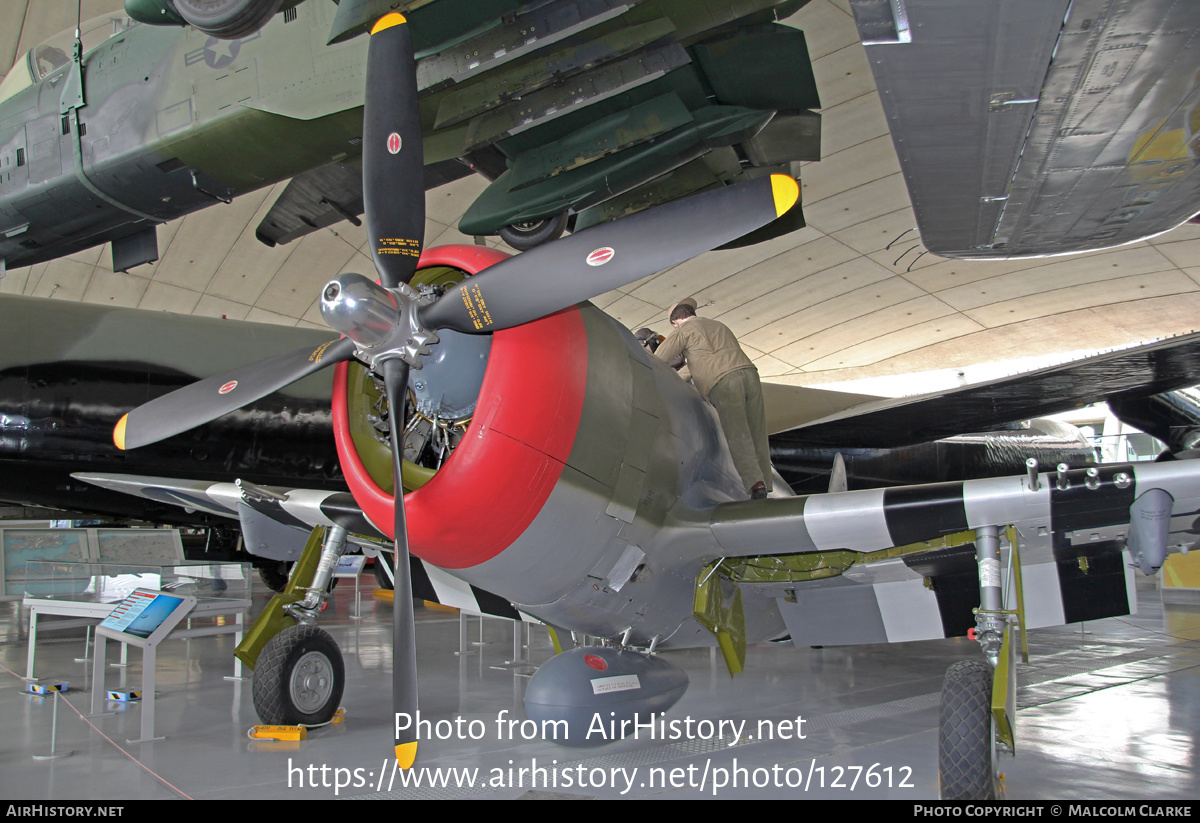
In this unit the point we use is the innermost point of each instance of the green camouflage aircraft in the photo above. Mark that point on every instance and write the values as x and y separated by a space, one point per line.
578 111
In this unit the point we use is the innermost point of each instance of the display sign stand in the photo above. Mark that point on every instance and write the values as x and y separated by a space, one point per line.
351 565
143 619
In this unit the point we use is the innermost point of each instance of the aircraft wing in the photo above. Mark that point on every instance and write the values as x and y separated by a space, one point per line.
1058 126
284 517
898 564
330 194
1128 373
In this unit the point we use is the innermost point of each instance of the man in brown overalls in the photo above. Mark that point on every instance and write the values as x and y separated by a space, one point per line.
728 380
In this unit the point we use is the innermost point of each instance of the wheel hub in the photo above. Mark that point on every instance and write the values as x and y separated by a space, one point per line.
312 682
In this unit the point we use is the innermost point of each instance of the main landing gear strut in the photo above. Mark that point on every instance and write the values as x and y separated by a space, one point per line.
298 671
978 696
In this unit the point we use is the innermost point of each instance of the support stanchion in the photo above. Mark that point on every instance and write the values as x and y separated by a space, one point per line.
54 753
87 644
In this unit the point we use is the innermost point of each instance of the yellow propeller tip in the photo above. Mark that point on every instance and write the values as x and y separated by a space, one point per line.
406 755
387 21
786 191
119 433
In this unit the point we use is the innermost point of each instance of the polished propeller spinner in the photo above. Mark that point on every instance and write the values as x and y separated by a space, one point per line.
387 326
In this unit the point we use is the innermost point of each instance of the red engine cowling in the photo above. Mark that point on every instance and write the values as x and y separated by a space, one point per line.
524 426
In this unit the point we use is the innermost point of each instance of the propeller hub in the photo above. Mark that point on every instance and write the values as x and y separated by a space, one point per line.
362 310
382 322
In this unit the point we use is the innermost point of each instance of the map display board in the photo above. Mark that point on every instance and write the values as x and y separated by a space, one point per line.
20 546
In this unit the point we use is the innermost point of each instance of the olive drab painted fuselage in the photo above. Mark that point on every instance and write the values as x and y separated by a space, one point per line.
582 490
170 121
624 535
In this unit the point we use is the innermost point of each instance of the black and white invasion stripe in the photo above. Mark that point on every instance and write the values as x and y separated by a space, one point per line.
890 602
306 509
434 584
873 519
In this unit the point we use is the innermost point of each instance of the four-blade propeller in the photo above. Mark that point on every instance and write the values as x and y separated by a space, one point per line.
388 326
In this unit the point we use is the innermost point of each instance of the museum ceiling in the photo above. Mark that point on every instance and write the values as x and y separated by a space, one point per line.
852 295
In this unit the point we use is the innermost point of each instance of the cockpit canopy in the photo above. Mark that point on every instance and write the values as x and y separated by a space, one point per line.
53 53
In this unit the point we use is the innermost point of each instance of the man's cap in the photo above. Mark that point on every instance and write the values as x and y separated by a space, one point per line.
687 301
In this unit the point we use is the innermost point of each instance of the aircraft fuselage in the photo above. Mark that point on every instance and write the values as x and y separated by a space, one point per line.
582 490
170 122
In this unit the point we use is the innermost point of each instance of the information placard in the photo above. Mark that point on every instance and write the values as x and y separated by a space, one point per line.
146 616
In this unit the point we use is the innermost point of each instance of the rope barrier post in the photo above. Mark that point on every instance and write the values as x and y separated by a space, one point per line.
54 754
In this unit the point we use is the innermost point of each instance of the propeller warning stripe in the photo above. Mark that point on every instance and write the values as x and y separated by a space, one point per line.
786 192
387 21
393 159
406 755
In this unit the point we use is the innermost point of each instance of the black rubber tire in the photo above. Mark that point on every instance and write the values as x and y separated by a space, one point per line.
524 236
381 578
227 19
299 678
275 575
966 742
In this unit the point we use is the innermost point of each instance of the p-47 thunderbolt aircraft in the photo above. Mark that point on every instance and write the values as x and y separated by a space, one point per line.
591 489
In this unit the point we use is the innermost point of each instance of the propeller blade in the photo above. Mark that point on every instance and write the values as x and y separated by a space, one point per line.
576 268
202 402
393 158
404 641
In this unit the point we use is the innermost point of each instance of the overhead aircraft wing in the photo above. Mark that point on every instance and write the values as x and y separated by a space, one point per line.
1140 371
789 407
330 194
1035 127
300 510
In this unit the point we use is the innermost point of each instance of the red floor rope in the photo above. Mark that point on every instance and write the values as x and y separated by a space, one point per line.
109 739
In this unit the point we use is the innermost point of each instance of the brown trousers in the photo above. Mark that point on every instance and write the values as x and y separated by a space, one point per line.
738 399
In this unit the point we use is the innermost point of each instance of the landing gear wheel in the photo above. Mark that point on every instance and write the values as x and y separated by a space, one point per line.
299 678
275 575
966 734
524 236
227 19
382 579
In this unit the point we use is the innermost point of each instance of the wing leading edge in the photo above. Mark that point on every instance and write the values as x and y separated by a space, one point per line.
888 565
